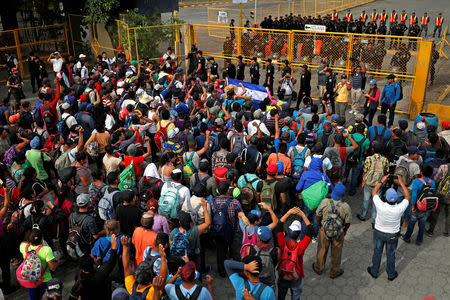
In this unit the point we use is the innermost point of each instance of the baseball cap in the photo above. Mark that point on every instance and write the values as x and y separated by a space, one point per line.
338 192
82 200
272 169
158 86
146 219
285 135
264 233
257 114
65 106
391 195
173 132
119 48
256 213
373 82
128 73
287 120
414 150
445 125
335 117
54 287
295 226
403 124
81 56
131 150
219 121
420 125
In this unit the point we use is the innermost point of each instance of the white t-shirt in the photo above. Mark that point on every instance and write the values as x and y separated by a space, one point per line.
252 129
57 64
326 163
389 216
109 122
183 192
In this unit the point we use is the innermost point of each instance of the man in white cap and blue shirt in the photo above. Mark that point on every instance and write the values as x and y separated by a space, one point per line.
387 226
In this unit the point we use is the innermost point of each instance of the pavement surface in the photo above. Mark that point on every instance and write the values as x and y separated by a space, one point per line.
423 270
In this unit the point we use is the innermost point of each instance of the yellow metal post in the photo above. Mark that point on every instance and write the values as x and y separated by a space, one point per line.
240 15
350 50
420 82
136 44
239 41
19 55
129 43
290 49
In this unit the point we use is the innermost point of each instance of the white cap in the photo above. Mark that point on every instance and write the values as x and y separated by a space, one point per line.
128 73
158 87
172 133
295 226
82 56
420 125
65 106
120 84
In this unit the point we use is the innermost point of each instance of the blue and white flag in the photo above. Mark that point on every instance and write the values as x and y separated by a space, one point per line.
256 92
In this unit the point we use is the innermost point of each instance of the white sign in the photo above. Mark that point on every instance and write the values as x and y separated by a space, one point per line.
312 27
239 1
222 17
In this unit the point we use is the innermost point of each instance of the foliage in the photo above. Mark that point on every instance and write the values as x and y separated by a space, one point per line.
100 11
152 35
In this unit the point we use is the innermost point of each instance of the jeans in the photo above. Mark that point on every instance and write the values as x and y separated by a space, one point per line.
355 95
420 216
36 293
367 199
384 108
407 213
371 113
379 240
353 179
311 215
295 286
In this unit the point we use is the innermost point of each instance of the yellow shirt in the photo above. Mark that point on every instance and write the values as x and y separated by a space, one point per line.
342 92
129 282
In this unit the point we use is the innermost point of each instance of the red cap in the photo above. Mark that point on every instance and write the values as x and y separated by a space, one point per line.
272 170
83 97
445 125
161 59
119 48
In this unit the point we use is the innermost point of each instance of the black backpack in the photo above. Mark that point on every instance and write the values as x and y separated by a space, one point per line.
401 91
258 292
48 115
396 150
354 158
194 295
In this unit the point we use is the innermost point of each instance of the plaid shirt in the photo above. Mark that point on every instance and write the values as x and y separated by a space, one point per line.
233 209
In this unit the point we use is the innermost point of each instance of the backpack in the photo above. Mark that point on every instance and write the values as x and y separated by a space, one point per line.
220 174
73 239
220 160
151 259
161 135
48 115
221 222
267 275
37 110
333 225
168 202
63 161
17 219
95 194
106 206
248 202
188 168
148 192
194 295
403 171
268 194
310 140
258 292
193 212
127 178
238 143
30 273
379 137
66 175
298 162
249 240
214 142
444 186
135 295
397 150
203 181
180 244
427 199
354 158
401 91
375 172
62 127
289 265
9 155
315 193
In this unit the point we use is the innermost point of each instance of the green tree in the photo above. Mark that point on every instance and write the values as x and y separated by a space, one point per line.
101 11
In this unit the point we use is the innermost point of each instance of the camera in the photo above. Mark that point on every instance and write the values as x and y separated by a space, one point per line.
392 176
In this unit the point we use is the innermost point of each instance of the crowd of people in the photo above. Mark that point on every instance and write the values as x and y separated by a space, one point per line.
136 171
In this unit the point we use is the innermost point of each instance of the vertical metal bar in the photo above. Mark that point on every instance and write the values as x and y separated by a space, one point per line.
18 52
71 34
67 39
177 35
129 42
136 44
118 32
239 41
240 14
349 55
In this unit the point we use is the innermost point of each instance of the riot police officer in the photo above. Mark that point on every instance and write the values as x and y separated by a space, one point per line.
270 71
254 71
230 69
240 69
414 30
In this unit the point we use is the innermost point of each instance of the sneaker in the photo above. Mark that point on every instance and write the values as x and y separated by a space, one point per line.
360 218
395 276
405 239
418 243
429 232
314 240
368 271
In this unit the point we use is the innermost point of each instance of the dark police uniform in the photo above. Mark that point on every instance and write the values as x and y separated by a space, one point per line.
270 72
254 73
240 71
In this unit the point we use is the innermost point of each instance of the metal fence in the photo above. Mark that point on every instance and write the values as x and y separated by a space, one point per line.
41 40
380 55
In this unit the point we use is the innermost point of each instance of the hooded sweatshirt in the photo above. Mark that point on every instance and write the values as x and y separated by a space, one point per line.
313 175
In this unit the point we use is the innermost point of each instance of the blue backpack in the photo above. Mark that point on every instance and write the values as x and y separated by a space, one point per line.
221 222
180 244
37 110
298 162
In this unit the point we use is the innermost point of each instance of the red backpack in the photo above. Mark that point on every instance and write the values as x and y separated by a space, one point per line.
289 265
161 135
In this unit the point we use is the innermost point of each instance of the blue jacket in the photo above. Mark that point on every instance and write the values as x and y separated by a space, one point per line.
313 175
391 93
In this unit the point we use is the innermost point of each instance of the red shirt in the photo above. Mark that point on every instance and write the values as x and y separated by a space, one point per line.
137 161
53 106
303 244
